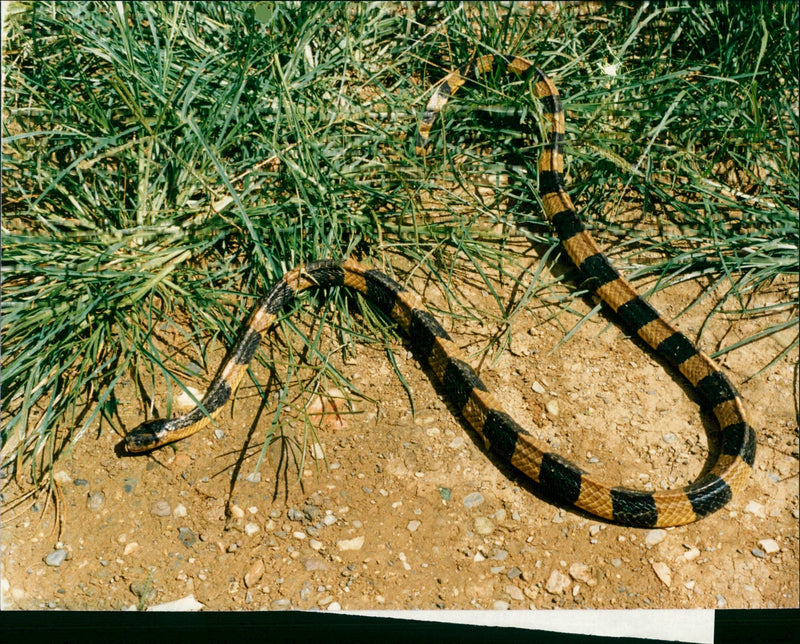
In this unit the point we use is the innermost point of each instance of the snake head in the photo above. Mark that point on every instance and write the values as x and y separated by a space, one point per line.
146 436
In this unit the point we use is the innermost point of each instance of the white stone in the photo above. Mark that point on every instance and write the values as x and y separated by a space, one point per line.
350 544
188 603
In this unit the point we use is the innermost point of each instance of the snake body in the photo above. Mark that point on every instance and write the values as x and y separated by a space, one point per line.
559 478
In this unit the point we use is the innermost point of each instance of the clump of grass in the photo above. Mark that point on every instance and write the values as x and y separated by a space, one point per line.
164 163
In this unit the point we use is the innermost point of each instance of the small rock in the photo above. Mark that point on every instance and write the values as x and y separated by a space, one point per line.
721 601
501 605
62 477
616 562
755 509
143 590
557 583
445 493
691 554
537 387
654 536
185 604
757 552
95 501
179 511
473 499
251 528
281 604
413 526
255 477
551 407
130 548
56 558
663 573
514 592
83 482
254 573
334 606
457 443
350 544
483 526
513 573
580 572
314 563
236 512
769 546
315 545
160 508
219 434
187 537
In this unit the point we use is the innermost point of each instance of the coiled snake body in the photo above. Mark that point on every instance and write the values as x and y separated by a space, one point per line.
557 476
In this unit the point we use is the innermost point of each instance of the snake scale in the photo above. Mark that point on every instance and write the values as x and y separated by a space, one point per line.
557 477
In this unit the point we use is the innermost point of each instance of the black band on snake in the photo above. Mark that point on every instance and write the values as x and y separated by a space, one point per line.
558 477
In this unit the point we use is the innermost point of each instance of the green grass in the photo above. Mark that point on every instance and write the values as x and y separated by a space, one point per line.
163 164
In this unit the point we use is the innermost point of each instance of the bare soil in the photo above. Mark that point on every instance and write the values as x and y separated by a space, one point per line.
377 516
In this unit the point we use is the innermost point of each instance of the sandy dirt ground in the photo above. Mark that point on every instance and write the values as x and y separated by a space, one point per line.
397 510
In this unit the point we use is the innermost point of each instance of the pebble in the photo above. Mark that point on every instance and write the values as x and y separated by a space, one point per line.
129 483
501 605
350 544
457 443
334 606
413 526
130 548
62 477
557 583
281 604
56 558
95 501
537 387
187 537
769 546
755 509
721 601
580 572
237 512
160 508
669 437
82 482
473 499
757 552
255 477
314 563
219 434
514 592
315 545
179 511
445 493
185 604
483 526
616 562
254 573
654 537
663 573
691 554
141 588
513 573
251 528
551 407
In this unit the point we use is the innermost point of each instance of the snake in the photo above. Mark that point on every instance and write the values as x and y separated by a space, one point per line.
558 478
